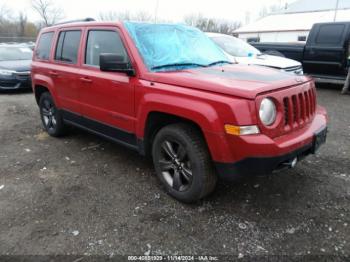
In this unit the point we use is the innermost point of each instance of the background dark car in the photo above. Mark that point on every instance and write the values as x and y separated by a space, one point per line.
15 62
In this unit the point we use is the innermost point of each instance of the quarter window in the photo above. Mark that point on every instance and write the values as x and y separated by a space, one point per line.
44 46
68 46
330 34
103 41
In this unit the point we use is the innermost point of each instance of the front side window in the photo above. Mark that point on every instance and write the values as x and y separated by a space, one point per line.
103 41
68 46
44 46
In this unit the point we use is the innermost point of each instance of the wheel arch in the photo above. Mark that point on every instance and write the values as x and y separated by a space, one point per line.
201 114
156 120
41 84
38 91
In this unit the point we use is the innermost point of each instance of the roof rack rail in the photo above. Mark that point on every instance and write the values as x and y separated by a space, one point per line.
88 19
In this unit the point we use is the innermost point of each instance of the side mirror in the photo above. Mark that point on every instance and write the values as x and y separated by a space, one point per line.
115 63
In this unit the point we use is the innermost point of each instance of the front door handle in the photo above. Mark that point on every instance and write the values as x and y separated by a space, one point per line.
53 73
85 80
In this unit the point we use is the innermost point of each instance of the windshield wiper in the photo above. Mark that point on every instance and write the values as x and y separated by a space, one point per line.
177 64
220 62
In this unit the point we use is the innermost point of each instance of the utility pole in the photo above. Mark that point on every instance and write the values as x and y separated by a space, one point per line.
156 12
336 11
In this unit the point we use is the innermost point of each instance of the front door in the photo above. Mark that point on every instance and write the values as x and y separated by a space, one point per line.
107 98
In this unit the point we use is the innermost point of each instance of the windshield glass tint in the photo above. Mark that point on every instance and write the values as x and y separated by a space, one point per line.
10 53
178 45
235 46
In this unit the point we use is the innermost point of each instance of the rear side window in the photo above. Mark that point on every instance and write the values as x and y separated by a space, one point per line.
330 34
68 46
44 46
99 42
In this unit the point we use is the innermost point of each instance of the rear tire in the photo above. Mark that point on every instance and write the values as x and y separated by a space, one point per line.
51 117
182 163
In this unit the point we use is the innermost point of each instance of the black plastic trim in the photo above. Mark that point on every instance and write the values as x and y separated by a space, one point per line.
106 131
254 166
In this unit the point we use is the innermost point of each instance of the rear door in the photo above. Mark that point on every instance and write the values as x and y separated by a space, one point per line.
65 69
325 52
107 98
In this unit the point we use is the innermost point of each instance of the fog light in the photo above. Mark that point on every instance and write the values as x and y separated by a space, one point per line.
241 130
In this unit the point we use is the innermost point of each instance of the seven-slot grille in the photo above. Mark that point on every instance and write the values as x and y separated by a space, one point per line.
299 108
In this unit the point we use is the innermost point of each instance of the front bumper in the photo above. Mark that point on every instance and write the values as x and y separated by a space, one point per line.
17 81
255 166
262 156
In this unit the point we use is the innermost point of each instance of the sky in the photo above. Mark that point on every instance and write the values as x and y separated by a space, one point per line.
167 9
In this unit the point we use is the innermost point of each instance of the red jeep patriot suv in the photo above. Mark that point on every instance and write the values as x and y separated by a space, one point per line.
168 92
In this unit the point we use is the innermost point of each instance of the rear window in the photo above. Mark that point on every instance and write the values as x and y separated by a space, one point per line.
330 34
44 46
68 46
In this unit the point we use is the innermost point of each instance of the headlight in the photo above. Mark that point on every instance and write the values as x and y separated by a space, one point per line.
6 72
267 111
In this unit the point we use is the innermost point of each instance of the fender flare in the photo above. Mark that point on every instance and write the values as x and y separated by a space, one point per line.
45 81
202 114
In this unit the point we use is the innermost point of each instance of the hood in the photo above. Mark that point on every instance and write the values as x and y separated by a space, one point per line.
237 80
268 60
16 65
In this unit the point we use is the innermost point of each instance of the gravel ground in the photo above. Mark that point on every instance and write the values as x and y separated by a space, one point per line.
83 195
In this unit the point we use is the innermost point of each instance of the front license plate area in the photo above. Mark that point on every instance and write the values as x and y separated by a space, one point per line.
319 138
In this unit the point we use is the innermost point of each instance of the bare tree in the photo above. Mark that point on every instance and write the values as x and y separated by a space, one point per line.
48 11
125 16
267 10
211 24
142 16
247 17
4 13
115 16
22 23
193 19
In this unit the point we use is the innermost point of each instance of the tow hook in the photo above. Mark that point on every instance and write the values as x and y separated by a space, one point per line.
292 163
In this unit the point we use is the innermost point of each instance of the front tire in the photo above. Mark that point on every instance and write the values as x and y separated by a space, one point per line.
51 117
182 163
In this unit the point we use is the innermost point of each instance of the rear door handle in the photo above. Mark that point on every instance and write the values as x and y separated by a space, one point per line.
53 73
85 80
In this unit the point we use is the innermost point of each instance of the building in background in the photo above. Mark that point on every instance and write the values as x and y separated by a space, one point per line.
294 23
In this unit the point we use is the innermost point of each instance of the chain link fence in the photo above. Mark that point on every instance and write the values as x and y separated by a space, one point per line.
17 39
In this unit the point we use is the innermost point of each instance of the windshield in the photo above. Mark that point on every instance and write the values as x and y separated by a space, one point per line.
11 53
166 47
235 46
